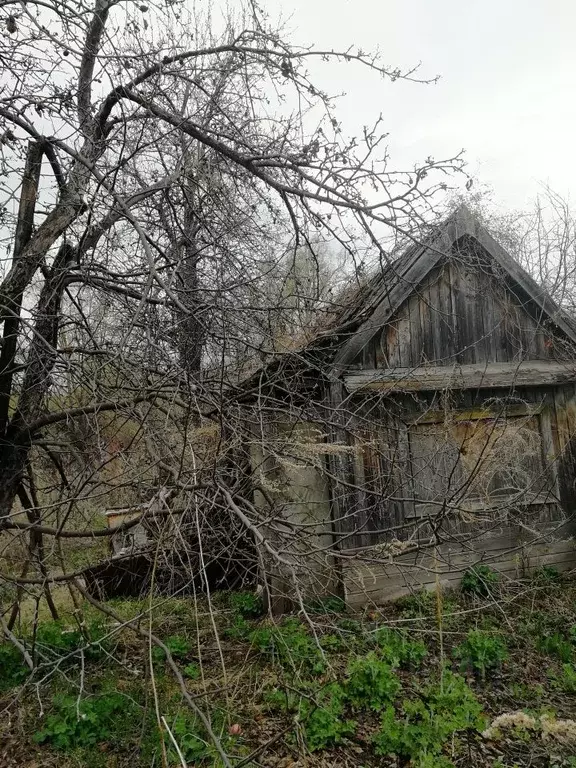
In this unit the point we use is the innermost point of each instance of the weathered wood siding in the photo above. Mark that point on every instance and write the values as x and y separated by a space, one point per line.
464 312
407 481
424 481
420 455
368 581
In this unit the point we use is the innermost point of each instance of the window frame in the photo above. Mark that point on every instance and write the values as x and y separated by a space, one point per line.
421 510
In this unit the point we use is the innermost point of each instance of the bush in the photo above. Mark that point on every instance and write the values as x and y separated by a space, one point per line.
13 671
398 650
248 605
100 718
481 652
371 683
479 581
429 722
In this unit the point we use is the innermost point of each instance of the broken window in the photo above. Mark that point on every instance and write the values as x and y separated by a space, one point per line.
470 462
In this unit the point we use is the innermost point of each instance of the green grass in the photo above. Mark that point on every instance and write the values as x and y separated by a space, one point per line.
380 687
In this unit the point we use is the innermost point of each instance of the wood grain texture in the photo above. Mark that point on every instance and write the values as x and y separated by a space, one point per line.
528 373
376 583
490 295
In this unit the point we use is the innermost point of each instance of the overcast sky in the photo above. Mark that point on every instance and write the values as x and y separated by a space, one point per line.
507 92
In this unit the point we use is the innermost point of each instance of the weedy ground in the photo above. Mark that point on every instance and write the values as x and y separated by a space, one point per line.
485 676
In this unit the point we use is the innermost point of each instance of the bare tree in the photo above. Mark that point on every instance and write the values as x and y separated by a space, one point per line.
166 191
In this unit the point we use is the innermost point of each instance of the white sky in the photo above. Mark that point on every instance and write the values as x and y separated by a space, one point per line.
507 92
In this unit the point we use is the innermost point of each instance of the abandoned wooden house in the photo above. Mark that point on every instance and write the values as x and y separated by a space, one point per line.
427 428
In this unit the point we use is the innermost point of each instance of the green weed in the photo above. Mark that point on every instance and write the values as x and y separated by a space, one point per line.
191 671
426 724
248 605
556 645
371 683
323 719
327 605
178 646
565 680
319 713
240 629
193 742
546 576
479 581
420 604
85 723
13 671
58 639
334 643
398 650
289 645
481 652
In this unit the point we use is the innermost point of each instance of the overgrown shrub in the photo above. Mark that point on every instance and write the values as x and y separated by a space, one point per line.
426 724
479 581
371 683
481 652
398 650
13 671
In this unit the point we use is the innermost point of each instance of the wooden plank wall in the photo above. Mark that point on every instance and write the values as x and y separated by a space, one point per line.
375 583
462 313
384 512
465 312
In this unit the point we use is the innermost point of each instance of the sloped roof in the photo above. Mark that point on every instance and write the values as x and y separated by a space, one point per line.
384 295
359 313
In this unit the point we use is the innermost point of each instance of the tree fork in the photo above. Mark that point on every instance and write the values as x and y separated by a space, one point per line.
10 312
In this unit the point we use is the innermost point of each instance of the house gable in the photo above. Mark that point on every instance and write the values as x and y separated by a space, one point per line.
459 300
464 312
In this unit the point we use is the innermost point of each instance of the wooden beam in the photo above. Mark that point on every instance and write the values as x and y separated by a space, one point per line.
410 275
475 376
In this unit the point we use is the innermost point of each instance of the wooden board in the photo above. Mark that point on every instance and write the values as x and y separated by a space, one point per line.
378 583
472 376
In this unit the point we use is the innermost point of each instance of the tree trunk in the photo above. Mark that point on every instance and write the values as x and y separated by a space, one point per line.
15 445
